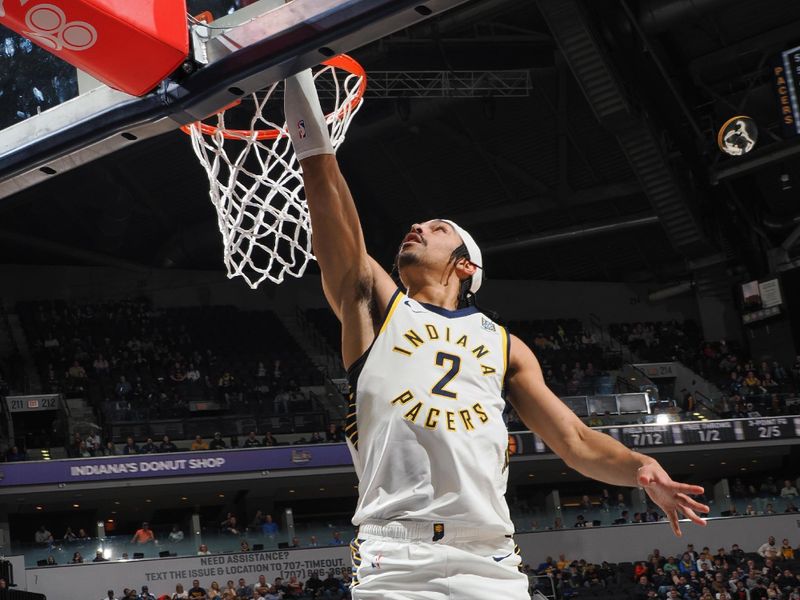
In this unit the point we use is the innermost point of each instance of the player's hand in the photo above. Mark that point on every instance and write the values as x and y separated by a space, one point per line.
671 496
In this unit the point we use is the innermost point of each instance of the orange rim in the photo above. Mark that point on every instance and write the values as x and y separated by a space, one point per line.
343 62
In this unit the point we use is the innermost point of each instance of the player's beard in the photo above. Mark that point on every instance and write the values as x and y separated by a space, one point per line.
408 257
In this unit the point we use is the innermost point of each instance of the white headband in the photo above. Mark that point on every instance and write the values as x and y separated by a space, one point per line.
474 255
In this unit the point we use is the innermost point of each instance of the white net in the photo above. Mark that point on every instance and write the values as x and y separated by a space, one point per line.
255 177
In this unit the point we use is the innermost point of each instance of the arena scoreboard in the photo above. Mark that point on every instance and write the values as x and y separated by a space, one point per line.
690 433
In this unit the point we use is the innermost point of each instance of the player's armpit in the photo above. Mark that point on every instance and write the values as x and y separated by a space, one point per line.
383 288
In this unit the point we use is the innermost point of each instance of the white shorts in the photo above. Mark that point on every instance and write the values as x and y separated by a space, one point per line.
400 561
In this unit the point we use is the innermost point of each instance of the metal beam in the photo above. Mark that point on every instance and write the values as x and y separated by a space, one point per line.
755 160
548 238
59 249
535 204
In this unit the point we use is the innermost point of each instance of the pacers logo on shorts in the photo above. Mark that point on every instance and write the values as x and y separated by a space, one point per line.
438 531
301 128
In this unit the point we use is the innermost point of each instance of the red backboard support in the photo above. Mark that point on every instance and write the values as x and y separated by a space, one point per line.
129 46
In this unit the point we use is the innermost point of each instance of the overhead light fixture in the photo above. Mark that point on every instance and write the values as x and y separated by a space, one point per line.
39 507
738 136
76 506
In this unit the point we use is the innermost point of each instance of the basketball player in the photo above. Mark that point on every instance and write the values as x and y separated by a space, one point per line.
428 375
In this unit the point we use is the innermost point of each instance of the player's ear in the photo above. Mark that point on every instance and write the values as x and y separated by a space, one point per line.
464 268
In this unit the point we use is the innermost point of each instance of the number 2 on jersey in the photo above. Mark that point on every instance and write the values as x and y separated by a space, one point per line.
455 367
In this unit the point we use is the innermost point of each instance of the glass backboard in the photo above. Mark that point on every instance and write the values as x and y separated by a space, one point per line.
53 118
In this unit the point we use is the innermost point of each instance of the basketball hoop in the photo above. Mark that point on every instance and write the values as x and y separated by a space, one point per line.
255 180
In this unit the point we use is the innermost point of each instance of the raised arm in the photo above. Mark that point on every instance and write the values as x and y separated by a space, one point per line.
356 287
590 452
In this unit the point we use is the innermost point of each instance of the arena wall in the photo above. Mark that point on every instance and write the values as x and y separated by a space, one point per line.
613 544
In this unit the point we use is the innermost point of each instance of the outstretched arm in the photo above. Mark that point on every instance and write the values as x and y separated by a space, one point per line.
590 452
356 287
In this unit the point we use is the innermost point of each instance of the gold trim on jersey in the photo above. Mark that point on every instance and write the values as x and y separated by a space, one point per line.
504 340
351 424
397 299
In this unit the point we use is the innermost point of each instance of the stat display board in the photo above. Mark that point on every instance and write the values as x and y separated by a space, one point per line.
692 433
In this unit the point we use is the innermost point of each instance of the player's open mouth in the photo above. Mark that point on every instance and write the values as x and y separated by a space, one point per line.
412 238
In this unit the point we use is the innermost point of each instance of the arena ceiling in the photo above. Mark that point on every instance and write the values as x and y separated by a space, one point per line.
605 167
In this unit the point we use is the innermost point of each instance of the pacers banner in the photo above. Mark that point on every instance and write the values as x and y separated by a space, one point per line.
130 46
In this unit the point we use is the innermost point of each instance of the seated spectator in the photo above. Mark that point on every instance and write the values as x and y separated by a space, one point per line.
144 535
166 445
313 584
43 537
98 557
791 508
269 440
214 592
261 582
788 490
244 546
196 592
177 374
251 441
786 551
16 455
180 593
76 371
642 590
51 560
123 388
130 446
148 447
334 434
199 443
331 586
82 535
623 518
686 565
337 539
243 590
203 550
580 522
101 366
294 587
192 374
76 558
768 549
217 443
176 535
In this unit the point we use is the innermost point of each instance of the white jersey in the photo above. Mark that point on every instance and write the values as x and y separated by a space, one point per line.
425 424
